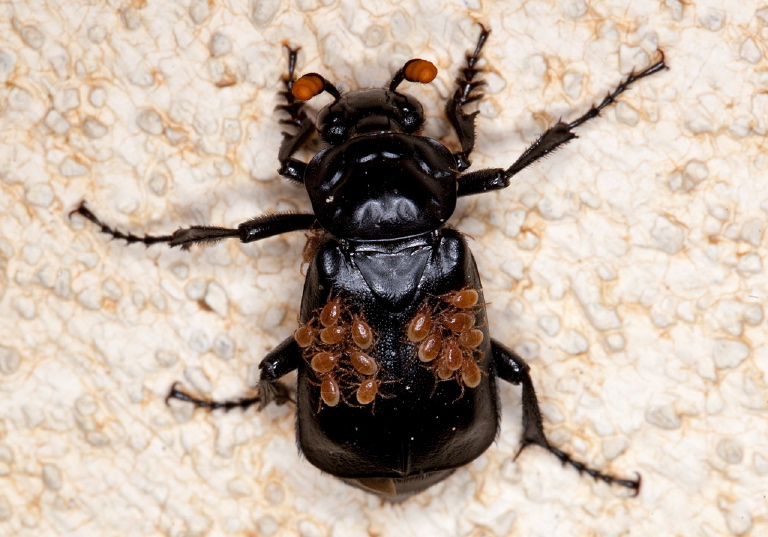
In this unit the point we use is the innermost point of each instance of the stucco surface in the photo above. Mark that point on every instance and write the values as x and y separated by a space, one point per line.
627 268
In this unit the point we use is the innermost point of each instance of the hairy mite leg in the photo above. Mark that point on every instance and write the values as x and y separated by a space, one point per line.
464 124
512 368
291 168
279 362
255 229
555 137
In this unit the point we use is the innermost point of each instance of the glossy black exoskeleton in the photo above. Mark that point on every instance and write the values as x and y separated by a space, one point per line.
397 371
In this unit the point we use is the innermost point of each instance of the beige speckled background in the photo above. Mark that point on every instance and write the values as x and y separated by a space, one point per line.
627 268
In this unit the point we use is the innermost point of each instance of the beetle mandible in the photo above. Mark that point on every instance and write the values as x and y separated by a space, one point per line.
396 367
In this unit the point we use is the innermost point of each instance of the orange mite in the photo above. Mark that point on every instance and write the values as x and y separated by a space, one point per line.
363 364
330 312
462 299
323 362
471 338
470 373
443 372
452 356
367 391
310 247
329 391
459 322
304 335
430 348
419 327
361 333
332 335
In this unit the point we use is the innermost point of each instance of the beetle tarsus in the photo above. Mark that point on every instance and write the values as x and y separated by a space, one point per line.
464 124
279 394
291 168
147 240
273 392
582 468
594 111
292 106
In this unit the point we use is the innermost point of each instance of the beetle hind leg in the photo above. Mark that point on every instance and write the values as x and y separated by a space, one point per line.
512 368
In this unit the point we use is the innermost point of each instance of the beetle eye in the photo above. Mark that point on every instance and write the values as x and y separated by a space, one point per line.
335 133
410 123
410 116
332 125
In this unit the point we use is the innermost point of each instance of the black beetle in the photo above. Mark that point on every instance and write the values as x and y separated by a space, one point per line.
396 367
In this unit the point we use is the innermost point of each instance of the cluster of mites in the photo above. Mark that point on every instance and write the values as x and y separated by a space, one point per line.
338 346
446 337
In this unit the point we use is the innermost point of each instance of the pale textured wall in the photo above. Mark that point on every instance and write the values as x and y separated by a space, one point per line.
628 267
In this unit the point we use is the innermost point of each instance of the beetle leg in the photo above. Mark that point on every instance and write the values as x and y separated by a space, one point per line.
244 402
512 368
255 229
292 168
552 139
292 106
464 124
280 361
277 363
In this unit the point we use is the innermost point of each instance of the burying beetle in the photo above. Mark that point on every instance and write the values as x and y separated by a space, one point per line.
396 367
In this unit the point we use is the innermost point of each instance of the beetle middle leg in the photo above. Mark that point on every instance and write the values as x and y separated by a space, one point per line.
279 362
464 124
512 368
292 168
553 138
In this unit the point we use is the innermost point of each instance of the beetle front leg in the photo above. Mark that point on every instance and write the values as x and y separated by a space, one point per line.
552 139
277 363
255 229
512 368
292 168
464 124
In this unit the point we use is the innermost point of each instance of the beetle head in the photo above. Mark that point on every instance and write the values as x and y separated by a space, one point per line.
377 181
382 186
368 110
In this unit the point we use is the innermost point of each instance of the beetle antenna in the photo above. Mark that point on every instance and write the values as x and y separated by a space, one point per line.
312 85
416 70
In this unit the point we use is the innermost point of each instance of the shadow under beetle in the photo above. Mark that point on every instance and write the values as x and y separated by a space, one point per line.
396 367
